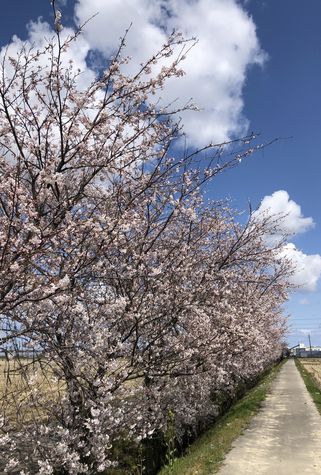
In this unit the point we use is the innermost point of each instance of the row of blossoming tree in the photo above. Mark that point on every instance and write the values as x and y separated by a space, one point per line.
132 297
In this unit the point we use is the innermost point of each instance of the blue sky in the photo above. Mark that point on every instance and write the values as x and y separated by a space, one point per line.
284 100
276 89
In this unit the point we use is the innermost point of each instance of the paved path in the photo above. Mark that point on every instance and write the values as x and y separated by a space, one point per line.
285 436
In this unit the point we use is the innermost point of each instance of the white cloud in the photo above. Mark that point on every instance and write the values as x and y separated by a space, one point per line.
216 67
290 220
304 302
39 32
307 268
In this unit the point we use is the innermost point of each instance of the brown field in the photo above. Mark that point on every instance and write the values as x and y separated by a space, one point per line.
27 390
313 367
30 388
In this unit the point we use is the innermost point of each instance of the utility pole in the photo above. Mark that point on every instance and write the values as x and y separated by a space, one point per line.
310 346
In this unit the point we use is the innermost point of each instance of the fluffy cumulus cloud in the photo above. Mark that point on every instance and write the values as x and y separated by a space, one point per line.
307 268
289 221
215 68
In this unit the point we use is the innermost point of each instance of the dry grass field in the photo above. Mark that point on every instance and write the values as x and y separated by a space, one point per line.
27 389
313 367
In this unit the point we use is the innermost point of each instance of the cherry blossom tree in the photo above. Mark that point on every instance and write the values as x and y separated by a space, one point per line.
134 295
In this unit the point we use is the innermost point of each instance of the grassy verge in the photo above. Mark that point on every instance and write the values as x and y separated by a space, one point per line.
311 384
205 455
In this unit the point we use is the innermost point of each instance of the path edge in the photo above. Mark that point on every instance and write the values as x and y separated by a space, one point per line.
206 455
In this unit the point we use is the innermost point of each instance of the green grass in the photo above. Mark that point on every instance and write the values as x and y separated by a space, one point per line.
206 454
311 384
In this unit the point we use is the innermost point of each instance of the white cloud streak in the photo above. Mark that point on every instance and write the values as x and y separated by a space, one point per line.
305 331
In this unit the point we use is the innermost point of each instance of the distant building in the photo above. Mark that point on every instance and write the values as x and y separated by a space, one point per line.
303 351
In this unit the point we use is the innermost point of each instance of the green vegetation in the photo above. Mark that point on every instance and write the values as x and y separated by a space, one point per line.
205 455
312 385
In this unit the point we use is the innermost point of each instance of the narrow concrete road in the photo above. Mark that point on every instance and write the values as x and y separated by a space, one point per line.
284 438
